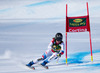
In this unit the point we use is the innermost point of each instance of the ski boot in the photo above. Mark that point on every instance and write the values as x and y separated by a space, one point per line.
44 64
30 64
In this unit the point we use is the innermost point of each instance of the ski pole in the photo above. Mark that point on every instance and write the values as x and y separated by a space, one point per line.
57 60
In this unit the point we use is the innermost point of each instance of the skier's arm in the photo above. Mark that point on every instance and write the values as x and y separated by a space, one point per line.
62 48
50 44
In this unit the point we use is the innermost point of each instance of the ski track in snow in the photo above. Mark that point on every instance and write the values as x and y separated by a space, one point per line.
77 62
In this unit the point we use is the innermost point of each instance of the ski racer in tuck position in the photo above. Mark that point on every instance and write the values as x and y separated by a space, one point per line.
55 50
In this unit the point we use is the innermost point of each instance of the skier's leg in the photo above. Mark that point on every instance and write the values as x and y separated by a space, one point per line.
47 54
52 57
44 56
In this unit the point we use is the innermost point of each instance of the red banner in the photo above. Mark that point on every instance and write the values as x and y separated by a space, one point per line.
77 24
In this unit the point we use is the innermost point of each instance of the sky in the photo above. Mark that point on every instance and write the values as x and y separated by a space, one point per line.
23 9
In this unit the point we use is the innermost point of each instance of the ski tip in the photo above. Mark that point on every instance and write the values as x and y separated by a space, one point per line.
47 67
31 67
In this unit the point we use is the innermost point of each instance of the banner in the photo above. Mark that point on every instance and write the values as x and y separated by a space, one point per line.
77 24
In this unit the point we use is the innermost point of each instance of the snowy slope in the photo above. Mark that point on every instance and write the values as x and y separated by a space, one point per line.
23 41
27 27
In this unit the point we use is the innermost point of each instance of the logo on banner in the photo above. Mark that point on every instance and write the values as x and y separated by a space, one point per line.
77 22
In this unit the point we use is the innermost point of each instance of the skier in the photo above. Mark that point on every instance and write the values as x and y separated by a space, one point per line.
55 50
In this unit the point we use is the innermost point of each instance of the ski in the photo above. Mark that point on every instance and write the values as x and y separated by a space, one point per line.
31 67
46 67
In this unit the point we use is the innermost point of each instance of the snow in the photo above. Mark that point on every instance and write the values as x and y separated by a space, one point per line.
23 40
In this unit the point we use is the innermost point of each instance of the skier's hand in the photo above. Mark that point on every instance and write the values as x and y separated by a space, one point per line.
59 55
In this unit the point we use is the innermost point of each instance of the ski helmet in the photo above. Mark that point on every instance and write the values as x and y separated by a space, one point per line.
59 37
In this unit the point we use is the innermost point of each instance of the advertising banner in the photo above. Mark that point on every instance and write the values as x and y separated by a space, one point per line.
77 24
